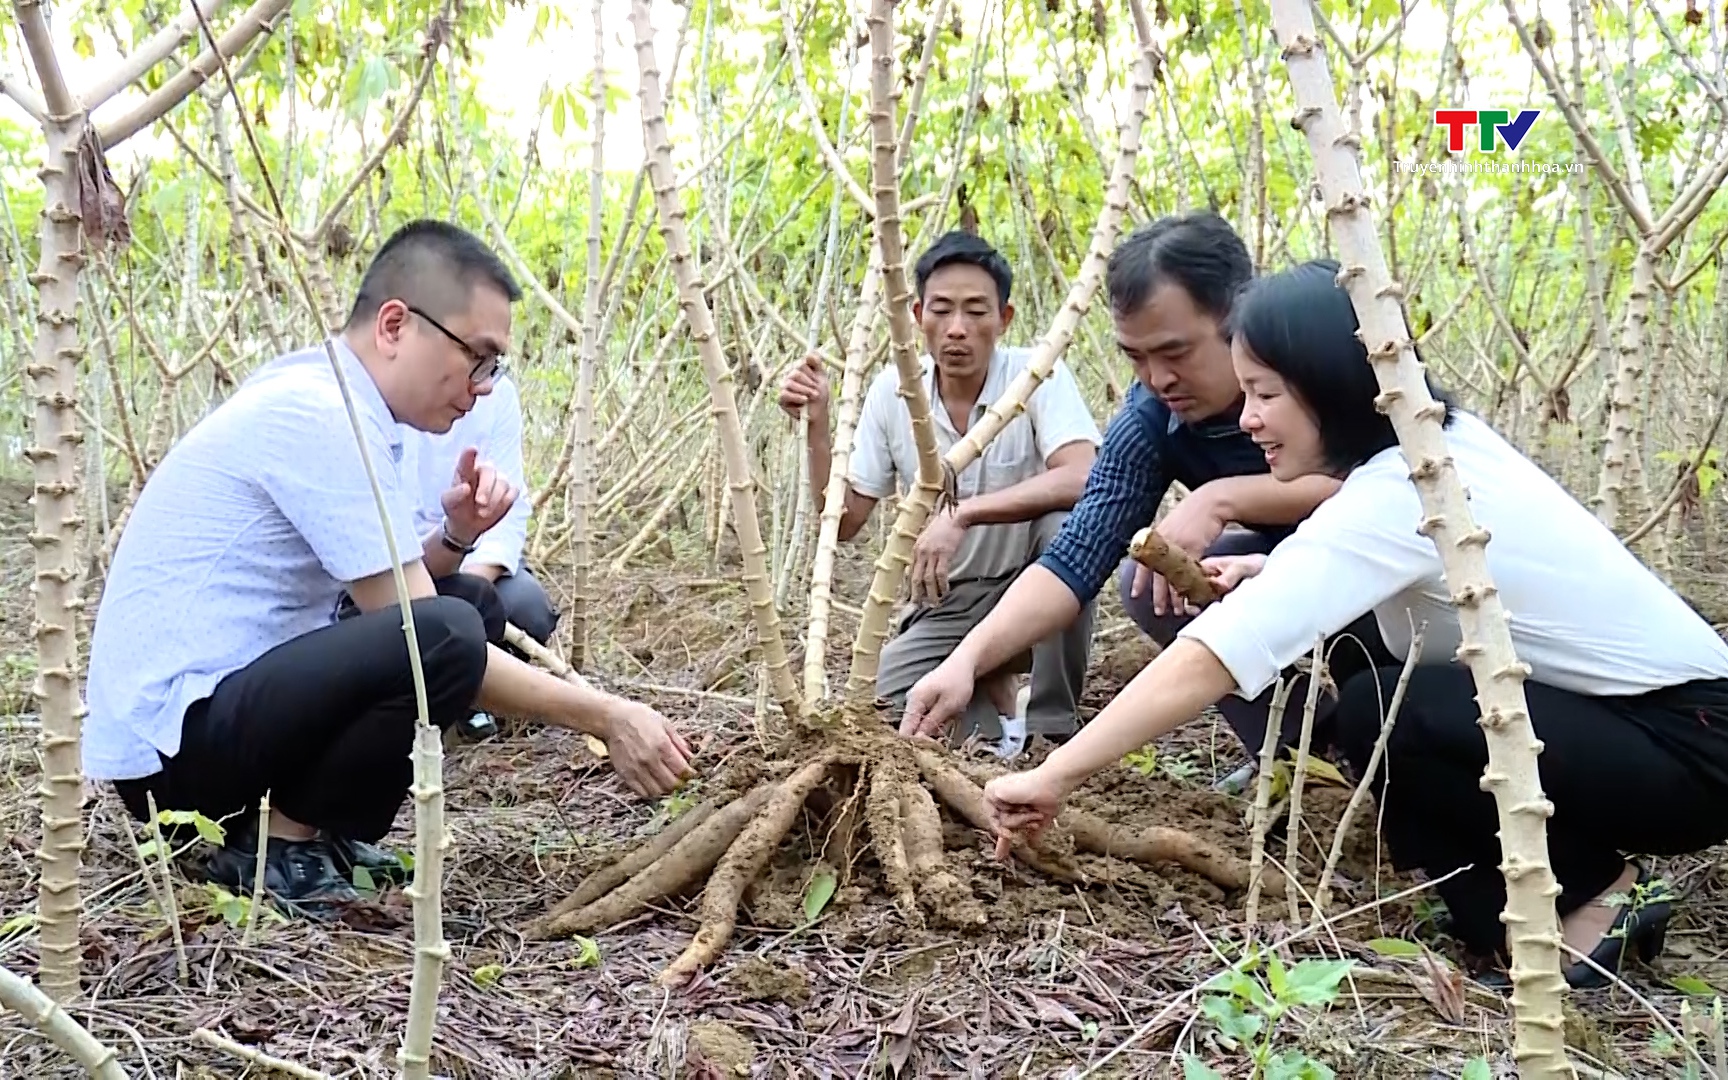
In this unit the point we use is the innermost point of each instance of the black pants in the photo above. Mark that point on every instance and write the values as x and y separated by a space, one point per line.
518 598
1627 776
1354 649
325 722
527 604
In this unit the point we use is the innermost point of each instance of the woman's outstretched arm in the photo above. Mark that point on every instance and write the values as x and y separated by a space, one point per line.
1168 692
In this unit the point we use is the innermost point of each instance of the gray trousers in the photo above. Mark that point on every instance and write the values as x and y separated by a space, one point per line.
925 636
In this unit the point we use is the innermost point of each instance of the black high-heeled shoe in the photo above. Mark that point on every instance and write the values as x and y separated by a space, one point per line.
1641 926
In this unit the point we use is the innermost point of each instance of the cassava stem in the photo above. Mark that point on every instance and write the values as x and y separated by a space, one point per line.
890 241
715 369
896 556
1532 925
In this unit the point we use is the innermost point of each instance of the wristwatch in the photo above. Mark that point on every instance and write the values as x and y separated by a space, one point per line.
450 542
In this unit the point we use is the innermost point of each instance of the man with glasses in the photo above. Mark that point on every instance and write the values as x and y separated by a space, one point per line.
217 674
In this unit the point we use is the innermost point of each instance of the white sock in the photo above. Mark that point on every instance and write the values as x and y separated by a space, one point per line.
1013 736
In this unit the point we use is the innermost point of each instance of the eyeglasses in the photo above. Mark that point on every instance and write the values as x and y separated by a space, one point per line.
485 367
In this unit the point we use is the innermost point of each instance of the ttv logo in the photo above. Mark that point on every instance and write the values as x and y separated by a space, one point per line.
1487 121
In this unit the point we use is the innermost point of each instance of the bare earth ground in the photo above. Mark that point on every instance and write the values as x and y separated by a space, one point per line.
1059 979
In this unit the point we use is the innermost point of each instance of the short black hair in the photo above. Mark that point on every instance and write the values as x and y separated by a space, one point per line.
1301 324
1198 251
960 246
433 264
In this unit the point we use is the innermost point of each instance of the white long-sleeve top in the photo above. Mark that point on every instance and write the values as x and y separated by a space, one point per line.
1586 614
494 428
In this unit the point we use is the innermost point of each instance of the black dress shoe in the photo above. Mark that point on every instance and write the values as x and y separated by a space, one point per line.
479 726
382 866
298 873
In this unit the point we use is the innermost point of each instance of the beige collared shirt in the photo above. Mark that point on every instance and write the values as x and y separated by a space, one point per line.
885 458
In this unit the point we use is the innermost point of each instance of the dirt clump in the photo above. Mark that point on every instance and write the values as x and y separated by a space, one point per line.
717 1049
759 979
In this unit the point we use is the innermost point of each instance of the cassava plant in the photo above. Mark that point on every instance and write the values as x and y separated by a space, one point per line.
82 212
1655 235
885 172
715 369
582 409
843 763
857 366
726 841
1532 925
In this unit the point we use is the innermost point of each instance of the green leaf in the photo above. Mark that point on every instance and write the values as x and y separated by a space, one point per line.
1275 976
1315 982
587 952
1707 477
488 975
1195 1069
817 895
211 832
1295 1065
1477 1069
18 924
148 849
1691 984
558 113
1235 982
230 907
1231 1019
1325 772
363 880
1391 946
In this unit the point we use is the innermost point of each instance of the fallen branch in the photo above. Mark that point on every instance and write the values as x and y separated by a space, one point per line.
57 1025
256 1058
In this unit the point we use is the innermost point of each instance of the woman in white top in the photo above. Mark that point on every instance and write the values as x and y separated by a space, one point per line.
1629 686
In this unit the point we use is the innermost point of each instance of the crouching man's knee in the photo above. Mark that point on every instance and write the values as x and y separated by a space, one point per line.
482 596
453 637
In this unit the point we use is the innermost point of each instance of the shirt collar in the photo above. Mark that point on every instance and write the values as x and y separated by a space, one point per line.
367 396
994 382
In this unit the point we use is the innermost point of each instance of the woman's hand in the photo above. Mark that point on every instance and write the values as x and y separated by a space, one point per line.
1023 803
1228 571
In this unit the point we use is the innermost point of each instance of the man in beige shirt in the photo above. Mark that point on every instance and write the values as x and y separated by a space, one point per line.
1011 501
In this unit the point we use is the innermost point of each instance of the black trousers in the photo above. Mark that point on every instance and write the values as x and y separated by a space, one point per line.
518 598
527 604
1645 774
325 722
